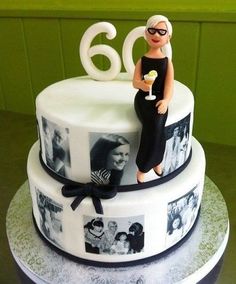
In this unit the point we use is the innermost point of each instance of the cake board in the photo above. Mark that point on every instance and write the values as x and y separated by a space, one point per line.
188 263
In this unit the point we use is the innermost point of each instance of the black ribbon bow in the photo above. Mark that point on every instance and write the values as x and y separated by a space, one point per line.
92 190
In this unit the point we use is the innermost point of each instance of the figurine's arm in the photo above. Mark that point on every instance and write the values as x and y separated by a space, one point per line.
138 82
162 105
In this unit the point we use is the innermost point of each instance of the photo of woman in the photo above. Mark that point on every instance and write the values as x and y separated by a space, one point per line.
175 230
190 210
177 145
184 141
172 151
136 237
93 232
181 216
109 156
108 237
56 145
114 236
47 140
50 218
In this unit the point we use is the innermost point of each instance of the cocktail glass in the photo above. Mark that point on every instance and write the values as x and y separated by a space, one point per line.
150 80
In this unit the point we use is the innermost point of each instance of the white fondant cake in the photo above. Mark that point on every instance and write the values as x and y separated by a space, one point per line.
136 224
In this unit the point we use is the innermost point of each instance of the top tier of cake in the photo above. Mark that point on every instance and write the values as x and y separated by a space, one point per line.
74 114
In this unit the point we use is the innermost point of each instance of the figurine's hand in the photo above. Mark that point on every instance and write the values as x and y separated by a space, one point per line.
162 106
145 87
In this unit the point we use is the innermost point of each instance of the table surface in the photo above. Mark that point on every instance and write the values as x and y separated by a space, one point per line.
188 263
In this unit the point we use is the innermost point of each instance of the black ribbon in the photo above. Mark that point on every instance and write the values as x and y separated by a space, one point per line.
80 190
96 192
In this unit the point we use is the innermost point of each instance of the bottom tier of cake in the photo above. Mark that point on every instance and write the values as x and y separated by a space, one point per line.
136 225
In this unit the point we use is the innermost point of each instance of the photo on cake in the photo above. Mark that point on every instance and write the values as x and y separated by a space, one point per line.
50 214
112 157
56 147
114 236
177 145
182 213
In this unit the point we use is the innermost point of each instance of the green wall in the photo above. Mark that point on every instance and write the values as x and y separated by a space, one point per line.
39 45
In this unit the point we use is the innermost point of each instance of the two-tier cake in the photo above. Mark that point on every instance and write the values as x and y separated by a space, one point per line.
82 171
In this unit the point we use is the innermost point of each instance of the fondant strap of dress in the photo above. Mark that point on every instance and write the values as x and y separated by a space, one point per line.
89 190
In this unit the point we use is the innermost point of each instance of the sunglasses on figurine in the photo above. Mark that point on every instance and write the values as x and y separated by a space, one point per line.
161 32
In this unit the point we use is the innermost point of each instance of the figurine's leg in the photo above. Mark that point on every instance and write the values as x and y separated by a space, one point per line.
160 141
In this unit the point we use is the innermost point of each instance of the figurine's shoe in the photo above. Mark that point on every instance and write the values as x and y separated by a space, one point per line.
140 177
158 174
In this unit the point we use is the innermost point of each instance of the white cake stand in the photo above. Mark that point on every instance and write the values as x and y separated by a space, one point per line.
189 263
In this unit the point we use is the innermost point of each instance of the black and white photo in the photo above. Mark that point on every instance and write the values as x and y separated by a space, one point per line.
50 214
56 147
111 158
189 212
177 145
39 137
175 229
114 236
181 216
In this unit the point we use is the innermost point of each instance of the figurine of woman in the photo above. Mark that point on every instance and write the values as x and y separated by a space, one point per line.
109 156
153 113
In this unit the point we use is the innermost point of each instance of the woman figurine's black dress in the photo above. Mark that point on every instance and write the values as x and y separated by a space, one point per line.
152 143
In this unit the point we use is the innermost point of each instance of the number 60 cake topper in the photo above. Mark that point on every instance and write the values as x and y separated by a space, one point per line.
86 51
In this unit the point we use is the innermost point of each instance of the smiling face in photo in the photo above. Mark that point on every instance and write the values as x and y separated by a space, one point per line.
176 223
118 157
